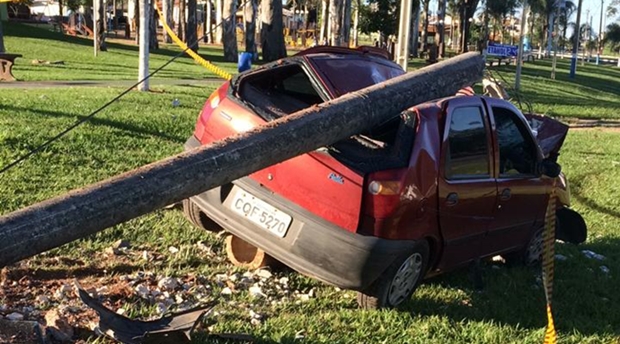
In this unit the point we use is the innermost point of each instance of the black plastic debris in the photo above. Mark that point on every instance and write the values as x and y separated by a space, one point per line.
173 329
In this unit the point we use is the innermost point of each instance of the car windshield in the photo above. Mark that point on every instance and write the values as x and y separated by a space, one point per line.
351 73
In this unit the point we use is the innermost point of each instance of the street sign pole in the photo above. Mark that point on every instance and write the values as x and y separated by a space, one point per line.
402 55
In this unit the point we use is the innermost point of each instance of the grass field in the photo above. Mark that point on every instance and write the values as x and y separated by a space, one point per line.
144 127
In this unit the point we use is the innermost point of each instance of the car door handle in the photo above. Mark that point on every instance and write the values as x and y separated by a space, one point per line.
452 199
505 195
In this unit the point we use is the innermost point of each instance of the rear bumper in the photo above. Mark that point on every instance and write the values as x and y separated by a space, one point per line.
312 246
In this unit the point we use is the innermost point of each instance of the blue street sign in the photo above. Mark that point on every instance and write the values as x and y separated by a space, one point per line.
502 49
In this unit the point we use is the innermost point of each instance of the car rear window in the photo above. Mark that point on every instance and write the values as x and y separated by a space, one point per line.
352 73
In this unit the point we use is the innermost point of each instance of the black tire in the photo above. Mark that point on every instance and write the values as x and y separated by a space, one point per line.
196 216
382 293
531 254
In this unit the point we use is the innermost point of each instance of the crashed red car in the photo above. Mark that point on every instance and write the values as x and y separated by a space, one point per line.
438 186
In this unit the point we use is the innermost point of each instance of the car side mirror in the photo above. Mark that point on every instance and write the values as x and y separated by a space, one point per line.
549 168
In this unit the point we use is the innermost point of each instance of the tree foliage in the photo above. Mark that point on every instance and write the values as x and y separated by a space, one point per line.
612 37
379 15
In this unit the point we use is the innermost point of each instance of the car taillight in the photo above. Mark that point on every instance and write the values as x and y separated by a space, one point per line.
384 187
210 105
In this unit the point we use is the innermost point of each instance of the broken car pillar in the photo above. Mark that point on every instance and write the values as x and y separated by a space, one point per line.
88 210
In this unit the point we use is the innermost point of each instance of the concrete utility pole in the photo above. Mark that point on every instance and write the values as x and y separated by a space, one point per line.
93 208
402 54
600 34
573 61
520 53
143 67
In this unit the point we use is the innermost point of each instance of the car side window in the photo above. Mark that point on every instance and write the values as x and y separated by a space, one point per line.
468 151
517 152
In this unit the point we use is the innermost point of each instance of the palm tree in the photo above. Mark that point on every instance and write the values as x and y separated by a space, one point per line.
467 8
566 12
498 10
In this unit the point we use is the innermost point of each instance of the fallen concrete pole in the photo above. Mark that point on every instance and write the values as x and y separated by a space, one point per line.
85 211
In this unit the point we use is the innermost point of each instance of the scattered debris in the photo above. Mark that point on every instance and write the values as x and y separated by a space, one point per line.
561 257
176 102
604 269
57 326
23 332
45 62
173 249
15 316
593 255
168 283
226 291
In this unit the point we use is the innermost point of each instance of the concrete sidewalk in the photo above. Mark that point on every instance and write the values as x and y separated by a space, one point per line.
108 83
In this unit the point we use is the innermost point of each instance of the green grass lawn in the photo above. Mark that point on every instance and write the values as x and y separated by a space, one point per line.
120 62
145 127
594 93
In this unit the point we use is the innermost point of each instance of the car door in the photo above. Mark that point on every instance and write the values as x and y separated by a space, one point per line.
522 192
467 190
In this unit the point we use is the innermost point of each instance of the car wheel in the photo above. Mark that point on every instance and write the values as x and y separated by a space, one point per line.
531 254
398 282
196 216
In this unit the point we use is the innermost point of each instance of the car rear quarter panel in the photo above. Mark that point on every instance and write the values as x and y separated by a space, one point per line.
416 216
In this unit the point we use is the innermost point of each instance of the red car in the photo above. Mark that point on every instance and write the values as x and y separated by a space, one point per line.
438 186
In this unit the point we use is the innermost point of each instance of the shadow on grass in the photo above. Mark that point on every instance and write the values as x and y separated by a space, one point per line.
127 127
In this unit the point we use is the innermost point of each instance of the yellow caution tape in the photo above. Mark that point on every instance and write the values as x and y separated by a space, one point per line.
548 261
210 66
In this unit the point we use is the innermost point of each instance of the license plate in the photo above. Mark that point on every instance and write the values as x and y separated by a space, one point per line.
261 213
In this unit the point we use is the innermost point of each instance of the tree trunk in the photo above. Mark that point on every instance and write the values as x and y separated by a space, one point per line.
153 42
272 34
441 28
1 38
335 22
218 21
467 12
209 37
167 14
249 15
230 33
425 15
91 209
60 10
101 19
324 36
136 19
356 21
346 23
191 29
415 29
181 23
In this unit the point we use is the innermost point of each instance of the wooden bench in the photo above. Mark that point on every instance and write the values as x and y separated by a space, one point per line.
6 66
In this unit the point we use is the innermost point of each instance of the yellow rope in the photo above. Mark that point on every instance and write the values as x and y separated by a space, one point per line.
213 68
548 260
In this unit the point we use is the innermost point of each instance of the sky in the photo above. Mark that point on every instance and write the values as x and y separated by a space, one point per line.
594 6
